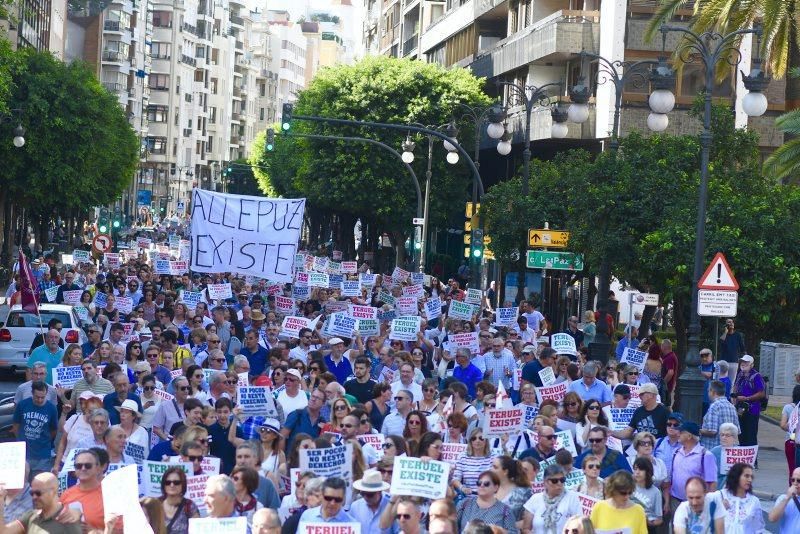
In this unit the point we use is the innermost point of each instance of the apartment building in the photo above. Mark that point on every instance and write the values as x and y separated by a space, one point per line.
536 43
290 56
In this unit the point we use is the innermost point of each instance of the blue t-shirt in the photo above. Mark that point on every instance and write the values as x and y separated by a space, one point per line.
35 424
706 368
790 522
257 359
42 354
299 422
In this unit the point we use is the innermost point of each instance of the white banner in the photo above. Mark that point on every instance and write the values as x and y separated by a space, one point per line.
245 234
418 478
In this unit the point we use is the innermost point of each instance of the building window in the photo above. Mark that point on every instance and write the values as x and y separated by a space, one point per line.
162 19
261 114
157 113
160 50
157 145
158 82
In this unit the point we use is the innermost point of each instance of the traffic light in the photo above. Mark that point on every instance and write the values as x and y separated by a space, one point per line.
477 243
287 116
270 144
117 222
172 169
102 221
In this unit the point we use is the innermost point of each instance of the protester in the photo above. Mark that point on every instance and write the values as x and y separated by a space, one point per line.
485 505
177 508
700 513
728 437
35 422
548 511
786 511
47 514
742 508
88 491
618 511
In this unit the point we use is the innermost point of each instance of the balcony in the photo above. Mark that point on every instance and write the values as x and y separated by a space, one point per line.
115 87
237 92
239 69
556 37
187 132
410 44
113 56
166 57
234 139
189 28
188 60
236 116
113 26
236 19
239 45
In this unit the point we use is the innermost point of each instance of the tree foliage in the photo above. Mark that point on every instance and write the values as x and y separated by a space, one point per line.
362 180
80 150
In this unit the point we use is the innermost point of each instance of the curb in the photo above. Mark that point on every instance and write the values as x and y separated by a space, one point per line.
763 495
770 420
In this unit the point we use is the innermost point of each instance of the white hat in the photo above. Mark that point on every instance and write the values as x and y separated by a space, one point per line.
335 341
295 373
372 481
86 395
528 348
747 358
129 404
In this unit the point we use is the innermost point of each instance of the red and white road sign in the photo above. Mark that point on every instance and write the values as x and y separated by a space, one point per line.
718 276
102 243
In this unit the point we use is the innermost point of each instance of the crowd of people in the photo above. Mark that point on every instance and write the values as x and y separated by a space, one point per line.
160 383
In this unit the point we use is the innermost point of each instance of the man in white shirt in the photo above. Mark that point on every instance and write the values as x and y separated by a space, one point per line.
292 397
533 316
394 422
300 352
407 383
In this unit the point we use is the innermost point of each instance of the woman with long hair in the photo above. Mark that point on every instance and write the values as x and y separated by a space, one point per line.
274 459
515 487
301 441
571 414
472 464
618 511
195 375
743 509
589 327
73 355
591 415
416 425
177 508
647 493
430 446
154 512
133 352
394 446
245 483
339 410
359 465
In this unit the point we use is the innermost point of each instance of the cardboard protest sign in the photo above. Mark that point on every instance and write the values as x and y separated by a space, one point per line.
284 305
320 264
257 400
506 316
400 275
350 288
274 289
331 462
246 234
196 491
211 525
357 311
460 310
415 291
386 298
318 280
433 308
405 328
220 291
161 267
474 296
368 327
191 298
414 477
112 259
530 413
81 256
66 377
575 478
124 305
334 267
335 281
555 392
547 376
499 421
341 325
291 325
736 455
331 528
121 498
300 279
406 306
72 297
387 316
634 357
563 344
620 417
452 452
564 440
467 340
300 292
376 440
367 279
143 243
587 503
152 474
12 464
51 293
614 443
349 267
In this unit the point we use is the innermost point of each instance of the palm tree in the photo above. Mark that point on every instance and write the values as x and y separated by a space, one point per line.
785 161
777 17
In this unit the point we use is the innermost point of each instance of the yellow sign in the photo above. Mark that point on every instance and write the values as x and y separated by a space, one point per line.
470 211
547 238
467 239
468 225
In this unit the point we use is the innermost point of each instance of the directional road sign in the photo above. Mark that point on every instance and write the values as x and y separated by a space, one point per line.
102 243
547 238
544 259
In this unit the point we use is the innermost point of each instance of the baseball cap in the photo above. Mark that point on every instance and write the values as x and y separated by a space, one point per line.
678 416
295 373
335 341
747 358
690 427
648 388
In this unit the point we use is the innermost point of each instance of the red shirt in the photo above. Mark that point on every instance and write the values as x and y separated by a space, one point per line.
670 361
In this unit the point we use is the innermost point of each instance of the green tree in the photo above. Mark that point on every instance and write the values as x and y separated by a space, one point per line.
355 180
80 150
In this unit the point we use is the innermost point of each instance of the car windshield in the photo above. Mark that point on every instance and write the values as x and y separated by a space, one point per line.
20 318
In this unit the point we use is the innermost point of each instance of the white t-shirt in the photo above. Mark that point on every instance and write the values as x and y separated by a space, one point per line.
298 353
138 444
533 319
290 404
742 514
77 430
414 388
569 506
693 523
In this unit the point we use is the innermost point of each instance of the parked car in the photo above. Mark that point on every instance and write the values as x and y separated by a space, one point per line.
6 419
20 327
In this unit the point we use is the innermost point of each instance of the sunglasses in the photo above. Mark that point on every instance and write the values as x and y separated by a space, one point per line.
477 438
402 516
340 407
646 443
152 356
363 421
331 498
633 373
548 436
490 405
385 446
313 368
195 458
149 388
232 382
625 493
184 388
797 480
430 390
595 440
561 480
592 466
397 399
172 482
593 407
485 484
86 466
213 340
345 425
570 404
673 425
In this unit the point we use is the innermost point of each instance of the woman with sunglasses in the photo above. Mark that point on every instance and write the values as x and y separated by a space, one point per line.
485 506
195 375
571 412
339 410
133 352
618 511
428 404
561 370
470 466
416 425
592 485
515 487
394 446
457 426
177 508
548 511
316 367
611 374
150 401
647 494
644 445
592 415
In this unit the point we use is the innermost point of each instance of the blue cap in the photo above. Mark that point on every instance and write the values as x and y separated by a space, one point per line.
678 416
690 427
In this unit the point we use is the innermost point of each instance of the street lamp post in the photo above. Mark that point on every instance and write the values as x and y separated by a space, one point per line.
19 131
709 48
532 96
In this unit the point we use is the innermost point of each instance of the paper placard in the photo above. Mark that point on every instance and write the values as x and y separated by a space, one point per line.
460 310
555 392
575 478
81 256
82 312
300 279
152 474
474 296
406 306
320 264
386 298
12 464
349 267
530 413
161 267
387 315
357 311
124 305
614 443
350 288
399 275
284 305
405 328
291 326
220 291
412 476
112 259
51 293
341 325
452 452
143 243
367 279
334 267
121 499
467 340
376 440
331 462
72 297
300 292
563 344
66 377
226 525
191 298
506 316
499 421
547 376
327 528
433 308
257 400
587 504
564 440
634 357
318 280
415 291
620 417
335 281
368 327
736 455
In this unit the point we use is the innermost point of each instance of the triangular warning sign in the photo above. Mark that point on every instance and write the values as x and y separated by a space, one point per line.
718 275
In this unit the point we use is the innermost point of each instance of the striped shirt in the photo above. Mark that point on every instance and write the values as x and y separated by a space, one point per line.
498 366
469 468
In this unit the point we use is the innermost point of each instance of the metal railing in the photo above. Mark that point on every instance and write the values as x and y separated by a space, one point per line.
112 26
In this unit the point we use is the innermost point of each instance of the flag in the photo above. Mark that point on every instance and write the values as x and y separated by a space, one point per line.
502 398
447 411
28 286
